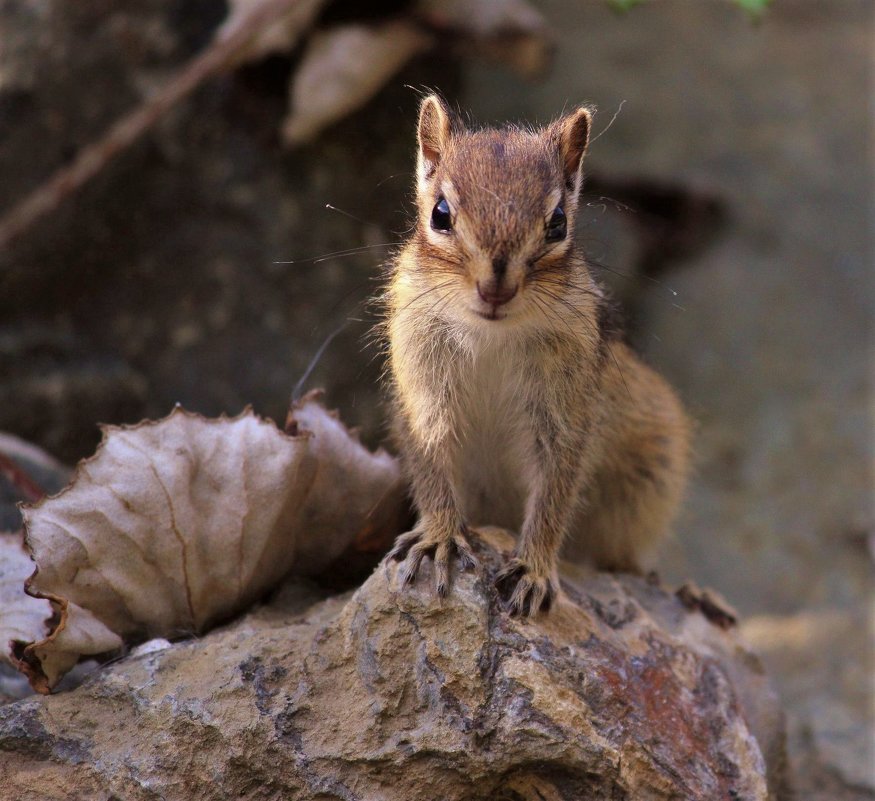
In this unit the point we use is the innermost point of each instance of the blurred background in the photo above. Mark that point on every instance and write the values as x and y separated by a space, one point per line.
728 203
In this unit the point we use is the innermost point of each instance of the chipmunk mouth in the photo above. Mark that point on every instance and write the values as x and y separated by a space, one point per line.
493 302
494 313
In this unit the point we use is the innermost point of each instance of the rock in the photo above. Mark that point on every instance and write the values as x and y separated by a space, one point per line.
620 692
13 685
832 753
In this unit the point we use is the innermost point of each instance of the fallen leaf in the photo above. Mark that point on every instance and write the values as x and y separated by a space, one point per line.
76 634
172 524
175 525
342 68
42 637
22 618
372 512
277 37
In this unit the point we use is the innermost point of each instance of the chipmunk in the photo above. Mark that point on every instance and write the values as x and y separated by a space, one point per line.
516 401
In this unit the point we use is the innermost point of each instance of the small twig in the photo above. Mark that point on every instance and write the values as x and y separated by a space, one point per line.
92 159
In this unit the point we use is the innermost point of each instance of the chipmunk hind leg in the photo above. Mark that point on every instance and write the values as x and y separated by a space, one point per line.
634 494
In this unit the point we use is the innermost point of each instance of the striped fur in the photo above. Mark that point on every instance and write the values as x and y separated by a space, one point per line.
533 413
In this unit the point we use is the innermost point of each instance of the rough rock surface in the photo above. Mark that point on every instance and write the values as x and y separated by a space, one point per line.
620 693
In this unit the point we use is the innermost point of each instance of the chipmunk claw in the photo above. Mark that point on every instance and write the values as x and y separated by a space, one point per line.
413 547
524 592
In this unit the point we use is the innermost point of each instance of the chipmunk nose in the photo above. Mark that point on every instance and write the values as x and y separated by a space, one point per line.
493 293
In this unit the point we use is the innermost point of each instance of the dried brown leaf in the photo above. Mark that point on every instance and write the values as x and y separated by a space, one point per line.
172 524
342 68
177 524
41 637
278 37
365 490
22 618
75 634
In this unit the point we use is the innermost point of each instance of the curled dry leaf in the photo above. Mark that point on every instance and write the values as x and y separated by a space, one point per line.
342 68
177 524
373 508
74 633
22 618
42 637
277 37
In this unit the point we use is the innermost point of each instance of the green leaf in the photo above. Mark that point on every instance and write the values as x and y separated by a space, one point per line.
624 5
755 8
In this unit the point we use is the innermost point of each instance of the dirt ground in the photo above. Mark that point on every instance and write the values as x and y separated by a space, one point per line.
772 348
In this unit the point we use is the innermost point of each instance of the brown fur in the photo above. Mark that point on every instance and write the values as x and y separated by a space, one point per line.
528 412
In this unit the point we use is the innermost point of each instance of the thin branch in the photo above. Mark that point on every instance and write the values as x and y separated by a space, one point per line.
92 159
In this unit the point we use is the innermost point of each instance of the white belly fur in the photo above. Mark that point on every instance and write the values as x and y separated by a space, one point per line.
494 437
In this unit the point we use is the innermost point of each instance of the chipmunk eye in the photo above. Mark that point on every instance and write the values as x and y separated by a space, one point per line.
557 226
440 216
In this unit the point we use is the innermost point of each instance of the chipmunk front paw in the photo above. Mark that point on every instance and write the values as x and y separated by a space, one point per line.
423 541
524 591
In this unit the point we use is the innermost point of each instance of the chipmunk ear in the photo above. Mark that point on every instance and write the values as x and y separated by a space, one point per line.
572 135
434 130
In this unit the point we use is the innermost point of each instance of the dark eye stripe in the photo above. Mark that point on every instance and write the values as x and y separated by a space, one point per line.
440 216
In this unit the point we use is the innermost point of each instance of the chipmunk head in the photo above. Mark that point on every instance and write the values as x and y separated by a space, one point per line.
496 209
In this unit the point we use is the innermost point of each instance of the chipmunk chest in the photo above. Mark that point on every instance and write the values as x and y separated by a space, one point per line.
497 424
496 434
496 394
